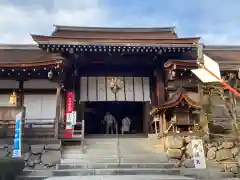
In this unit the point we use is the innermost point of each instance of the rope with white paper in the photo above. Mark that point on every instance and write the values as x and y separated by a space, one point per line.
223 83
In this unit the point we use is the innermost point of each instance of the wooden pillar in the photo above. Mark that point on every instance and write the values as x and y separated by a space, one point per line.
58 108
160 91
77 97
146 117
20 94
203 119
161 130
153 91
164 122
63 106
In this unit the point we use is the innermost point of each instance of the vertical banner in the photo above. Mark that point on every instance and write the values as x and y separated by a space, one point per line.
74 117
17 138
198 154
70 98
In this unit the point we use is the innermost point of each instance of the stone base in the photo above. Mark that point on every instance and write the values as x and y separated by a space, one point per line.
224 154
38 156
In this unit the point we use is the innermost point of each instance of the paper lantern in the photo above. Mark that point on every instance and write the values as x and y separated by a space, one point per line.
13 98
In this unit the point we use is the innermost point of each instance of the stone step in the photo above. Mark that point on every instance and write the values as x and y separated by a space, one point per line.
109 160
23 177
113 151
114 165
113 171
89 157
101 143
71 161
115 177
123 157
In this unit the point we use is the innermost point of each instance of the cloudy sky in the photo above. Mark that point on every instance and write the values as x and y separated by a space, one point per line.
216 21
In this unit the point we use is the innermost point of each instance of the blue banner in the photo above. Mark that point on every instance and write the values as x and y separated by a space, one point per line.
17 137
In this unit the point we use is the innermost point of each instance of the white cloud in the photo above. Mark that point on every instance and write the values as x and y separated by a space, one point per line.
18 22
215 25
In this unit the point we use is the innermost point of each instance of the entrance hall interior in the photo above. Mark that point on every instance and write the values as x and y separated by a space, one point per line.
95 112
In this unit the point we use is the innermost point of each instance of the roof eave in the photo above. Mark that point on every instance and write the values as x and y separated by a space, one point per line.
114 29
19 47
40 39
221 47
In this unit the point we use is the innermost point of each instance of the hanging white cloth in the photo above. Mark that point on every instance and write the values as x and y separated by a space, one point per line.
126 123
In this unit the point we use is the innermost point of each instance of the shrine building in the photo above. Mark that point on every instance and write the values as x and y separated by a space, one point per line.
69 80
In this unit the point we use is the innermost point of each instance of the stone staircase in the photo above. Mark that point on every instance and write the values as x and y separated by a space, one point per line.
111 156
117 156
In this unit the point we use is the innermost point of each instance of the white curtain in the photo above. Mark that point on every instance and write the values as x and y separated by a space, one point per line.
40 108
4 100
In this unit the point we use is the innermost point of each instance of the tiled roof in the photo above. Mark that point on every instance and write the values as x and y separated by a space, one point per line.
228 57
103 32
174 101
14 55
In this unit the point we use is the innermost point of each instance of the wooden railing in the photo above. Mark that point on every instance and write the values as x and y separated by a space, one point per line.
37 128
34 128
7 120
77 134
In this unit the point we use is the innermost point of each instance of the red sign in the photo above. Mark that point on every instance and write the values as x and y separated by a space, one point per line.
70 102
70 98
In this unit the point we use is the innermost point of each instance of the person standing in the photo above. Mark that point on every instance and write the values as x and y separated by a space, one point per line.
126 123
109 121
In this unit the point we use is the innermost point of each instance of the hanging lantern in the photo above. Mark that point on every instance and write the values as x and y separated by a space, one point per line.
13 98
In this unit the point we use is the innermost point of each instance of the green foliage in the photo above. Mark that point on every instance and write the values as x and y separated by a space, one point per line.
10 168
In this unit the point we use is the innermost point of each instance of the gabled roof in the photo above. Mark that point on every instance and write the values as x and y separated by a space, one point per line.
118 32
26 55
117 41
228 57
19 47
174 101
114 29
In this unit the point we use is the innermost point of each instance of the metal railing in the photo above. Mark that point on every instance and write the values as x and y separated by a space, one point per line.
118 144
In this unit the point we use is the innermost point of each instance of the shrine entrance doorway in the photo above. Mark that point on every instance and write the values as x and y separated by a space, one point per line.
95 112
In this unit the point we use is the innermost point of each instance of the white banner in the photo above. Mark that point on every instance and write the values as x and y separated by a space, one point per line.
198 154
69 120
209 71
74 117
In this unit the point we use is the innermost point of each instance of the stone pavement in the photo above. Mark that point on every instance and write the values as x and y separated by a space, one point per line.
209 173
121 177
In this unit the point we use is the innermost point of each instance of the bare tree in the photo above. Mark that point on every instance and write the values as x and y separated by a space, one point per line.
229 100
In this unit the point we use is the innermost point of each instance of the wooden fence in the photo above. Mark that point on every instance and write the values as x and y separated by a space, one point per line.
33 128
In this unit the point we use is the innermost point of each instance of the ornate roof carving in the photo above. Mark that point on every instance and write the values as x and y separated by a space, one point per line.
174 101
